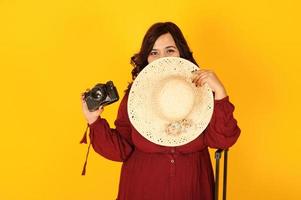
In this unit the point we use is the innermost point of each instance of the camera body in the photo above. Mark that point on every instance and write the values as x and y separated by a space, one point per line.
101 95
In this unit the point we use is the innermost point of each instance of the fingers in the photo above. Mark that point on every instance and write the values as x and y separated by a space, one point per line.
202 72
200 77
85 106
101 109
90 116
201 80
83 95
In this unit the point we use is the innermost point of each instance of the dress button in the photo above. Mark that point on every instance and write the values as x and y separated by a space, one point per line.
172 150
172 160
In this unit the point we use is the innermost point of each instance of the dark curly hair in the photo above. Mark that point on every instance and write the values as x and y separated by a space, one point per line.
139 60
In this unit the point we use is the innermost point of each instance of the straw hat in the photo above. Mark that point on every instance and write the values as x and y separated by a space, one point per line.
165 106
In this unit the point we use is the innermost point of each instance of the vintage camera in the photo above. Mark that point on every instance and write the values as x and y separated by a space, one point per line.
101 95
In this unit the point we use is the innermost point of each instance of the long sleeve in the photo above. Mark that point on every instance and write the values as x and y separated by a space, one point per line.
114 144
222 131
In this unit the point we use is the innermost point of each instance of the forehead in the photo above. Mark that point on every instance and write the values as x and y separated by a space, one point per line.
164 41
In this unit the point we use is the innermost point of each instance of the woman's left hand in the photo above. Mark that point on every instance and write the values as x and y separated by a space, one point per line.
200 77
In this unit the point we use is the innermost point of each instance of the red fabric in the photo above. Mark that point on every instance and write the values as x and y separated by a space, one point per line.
154 172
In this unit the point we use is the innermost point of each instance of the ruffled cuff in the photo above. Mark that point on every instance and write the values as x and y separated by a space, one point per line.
218 101
223 107
97 121
222 120
222 131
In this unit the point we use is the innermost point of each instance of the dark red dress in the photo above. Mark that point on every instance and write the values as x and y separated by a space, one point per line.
154 172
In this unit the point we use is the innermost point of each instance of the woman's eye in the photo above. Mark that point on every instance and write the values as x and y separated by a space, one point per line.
170 51
153 53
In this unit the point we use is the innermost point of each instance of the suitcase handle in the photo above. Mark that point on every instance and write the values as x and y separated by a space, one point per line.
218 155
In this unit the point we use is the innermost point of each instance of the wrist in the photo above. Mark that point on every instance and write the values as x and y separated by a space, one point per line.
220 94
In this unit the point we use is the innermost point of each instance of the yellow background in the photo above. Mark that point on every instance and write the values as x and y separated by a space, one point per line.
51 51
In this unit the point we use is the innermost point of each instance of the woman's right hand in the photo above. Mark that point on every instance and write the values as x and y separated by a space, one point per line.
90 116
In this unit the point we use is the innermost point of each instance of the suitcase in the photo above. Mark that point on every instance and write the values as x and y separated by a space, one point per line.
218 155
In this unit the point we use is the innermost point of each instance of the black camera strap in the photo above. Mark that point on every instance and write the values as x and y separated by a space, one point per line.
84 141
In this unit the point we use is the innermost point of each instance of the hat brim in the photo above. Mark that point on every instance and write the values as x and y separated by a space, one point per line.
142 109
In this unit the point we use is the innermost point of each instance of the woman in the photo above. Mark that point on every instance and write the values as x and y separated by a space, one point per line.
155 172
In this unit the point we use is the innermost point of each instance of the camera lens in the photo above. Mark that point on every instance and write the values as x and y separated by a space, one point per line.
98 93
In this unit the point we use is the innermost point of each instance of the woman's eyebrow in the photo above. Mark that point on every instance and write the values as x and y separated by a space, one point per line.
170 47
